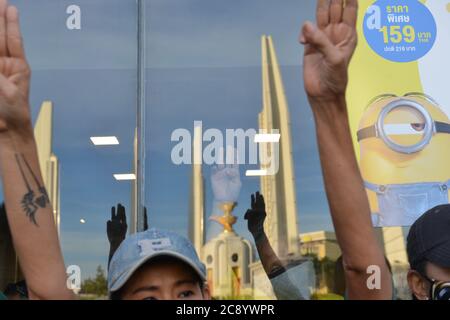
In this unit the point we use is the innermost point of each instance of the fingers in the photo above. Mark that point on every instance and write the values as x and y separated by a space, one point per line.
113 213
260 200
336 10
13 35
3 7
323 13
316 38
145 219
350 15
121 213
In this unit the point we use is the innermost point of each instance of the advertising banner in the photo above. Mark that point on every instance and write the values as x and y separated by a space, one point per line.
399 106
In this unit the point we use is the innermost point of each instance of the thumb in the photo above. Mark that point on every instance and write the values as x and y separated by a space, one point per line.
247 214
317 38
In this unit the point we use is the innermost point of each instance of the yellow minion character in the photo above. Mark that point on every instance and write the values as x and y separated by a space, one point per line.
405 157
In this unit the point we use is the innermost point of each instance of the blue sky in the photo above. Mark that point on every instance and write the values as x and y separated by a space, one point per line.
203 63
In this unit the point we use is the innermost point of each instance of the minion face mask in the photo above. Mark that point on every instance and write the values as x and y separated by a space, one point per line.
404 157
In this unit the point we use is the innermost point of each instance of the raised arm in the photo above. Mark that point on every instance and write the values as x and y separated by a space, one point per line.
255 220
329 47
29 212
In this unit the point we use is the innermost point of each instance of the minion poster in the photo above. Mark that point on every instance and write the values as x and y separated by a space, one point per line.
399 107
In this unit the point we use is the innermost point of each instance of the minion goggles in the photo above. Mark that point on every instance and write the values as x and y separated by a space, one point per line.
429 127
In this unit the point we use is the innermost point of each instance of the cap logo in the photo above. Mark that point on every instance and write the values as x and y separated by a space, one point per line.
150 246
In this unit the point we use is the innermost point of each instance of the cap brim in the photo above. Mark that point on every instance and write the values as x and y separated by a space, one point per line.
120 282
440 255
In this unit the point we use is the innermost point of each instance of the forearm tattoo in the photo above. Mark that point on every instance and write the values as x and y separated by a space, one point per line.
32 201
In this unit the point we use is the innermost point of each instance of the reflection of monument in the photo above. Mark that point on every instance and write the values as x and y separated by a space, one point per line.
48 162
278 190
227 258
227 220
197 202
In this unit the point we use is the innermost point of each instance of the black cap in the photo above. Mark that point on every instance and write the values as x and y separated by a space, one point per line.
429 238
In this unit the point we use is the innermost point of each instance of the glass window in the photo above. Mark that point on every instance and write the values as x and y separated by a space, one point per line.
217 72
173 114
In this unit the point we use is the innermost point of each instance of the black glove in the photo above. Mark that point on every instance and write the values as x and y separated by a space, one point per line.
116 228
256 216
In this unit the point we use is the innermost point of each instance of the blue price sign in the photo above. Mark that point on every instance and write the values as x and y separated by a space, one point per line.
400 31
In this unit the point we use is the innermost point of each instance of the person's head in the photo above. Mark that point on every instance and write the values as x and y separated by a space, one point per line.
157 265
429 255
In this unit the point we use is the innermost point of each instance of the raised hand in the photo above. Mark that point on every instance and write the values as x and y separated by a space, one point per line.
226 182
15 119
329 46
30 214
256 215
117 227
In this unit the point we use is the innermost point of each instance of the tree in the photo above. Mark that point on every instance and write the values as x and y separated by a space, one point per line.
97 286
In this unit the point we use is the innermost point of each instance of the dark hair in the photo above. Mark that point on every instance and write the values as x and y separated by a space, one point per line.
19 288
117 295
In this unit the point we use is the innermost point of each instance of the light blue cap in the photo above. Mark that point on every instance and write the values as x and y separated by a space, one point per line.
139 248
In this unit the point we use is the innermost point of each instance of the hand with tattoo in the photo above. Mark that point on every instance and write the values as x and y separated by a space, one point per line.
15 120
30 214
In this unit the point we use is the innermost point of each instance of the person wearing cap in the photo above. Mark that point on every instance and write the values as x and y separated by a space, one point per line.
157 265
428 246
329 47
28 209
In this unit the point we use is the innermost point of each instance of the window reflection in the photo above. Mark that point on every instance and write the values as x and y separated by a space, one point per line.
211 69
224 115
210 73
